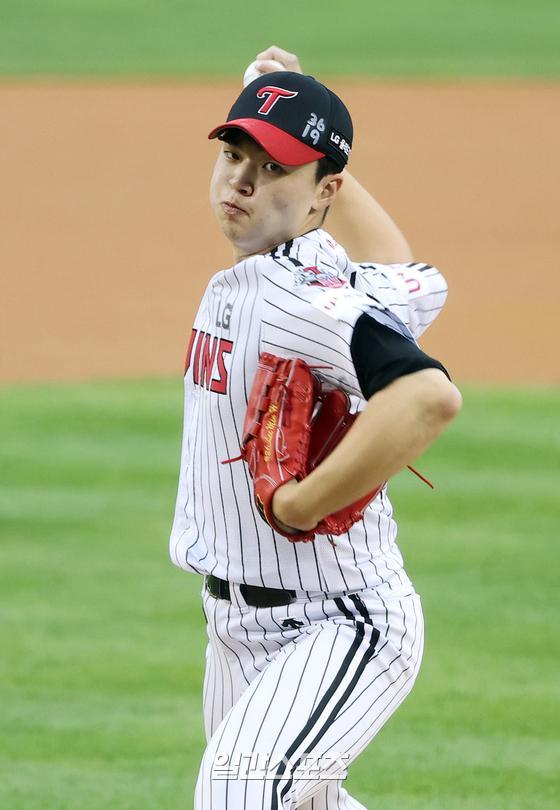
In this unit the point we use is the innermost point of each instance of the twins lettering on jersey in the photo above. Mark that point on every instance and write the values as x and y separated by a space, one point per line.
208 354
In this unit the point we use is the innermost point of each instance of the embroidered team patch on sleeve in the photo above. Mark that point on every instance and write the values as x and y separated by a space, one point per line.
318 277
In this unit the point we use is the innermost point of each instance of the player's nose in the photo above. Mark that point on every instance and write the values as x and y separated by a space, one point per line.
241 181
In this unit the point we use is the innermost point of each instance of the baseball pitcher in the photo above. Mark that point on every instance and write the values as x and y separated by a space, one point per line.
305 391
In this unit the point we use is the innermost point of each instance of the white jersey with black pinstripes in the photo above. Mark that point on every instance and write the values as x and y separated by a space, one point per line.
300 300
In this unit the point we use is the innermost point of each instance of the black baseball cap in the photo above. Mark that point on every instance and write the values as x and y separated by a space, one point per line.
294 118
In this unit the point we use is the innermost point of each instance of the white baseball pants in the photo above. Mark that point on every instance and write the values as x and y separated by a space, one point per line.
293 694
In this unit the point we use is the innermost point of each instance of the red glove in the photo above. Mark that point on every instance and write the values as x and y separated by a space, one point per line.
293 422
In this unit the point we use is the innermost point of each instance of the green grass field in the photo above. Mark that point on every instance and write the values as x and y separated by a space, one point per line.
357 37
102 639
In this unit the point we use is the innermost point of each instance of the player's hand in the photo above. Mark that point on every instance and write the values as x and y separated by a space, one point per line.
287 511
267 58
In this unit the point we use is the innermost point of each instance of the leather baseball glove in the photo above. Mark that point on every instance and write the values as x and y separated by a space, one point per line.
293 421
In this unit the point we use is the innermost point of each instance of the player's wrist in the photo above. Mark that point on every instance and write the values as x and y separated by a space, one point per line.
291 510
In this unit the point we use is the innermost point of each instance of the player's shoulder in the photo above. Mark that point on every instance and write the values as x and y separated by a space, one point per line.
312 259
308 278
415 291
399 272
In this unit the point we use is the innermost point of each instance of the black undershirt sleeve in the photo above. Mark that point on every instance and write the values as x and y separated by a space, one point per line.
381 354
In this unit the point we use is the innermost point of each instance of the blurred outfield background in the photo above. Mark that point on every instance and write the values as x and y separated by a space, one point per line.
102 641
358 37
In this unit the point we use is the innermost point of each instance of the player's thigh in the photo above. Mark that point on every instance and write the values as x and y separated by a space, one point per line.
230 665
305 718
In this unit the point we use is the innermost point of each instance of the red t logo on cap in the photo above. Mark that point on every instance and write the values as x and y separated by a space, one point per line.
273 93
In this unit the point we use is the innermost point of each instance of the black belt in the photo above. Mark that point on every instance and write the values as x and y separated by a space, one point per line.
252 594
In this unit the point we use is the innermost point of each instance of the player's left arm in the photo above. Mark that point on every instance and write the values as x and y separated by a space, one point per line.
398 424
418 286
410 401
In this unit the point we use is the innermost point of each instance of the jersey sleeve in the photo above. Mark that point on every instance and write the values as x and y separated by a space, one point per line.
416 292
383 353
312 313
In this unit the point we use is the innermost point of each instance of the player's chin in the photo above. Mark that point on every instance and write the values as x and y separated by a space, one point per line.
245 233
231 228
241 233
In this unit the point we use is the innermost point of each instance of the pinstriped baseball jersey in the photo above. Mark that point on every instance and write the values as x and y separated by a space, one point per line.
300 300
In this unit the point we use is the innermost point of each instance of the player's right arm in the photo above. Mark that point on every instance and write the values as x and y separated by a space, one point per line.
365 229
356 219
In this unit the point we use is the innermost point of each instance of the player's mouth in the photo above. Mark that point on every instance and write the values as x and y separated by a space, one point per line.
232 210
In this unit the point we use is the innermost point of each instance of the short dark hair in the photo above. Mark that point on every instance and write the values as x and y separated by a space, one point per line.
326 165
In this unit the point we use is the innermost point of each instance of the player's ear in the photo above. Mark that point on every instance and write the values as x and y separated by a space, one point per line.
327 189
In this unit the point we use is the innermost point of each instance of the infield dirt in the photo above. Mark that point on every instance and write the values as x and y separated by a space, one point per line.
107 240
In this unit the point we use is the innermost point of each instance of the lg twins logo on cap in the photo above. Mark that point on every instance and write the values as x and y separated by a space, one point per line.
273 93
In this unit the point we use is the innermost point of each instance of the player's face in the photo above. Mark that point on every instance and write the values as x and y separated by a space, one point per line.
260 203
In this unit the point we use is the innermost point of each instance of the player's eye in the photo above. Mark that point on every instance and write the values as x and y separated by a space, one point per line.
229 155
275 168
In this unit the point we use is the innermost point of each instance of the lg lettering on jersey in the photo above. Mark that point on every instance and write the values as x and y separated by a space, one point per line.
223 319
209 367
273 93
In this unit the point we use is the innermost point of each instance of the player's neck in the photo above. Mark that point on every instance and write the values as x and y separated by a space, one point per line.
239 255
